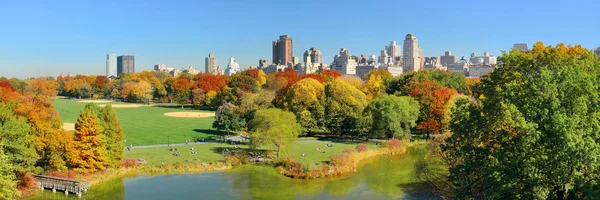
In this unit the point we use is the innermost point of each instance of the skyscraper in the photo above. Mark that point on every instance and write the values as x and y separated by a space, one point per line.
448 58
111 65
521 46
125 64
412 54
283 50
344 63
314 54
210 64
393 50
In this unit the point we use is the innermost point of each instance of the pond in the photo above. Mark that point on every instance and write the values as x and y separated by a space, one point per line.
386 177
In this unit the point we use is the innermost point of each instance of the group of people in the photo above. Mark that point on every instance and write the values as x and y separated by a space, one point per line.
319 149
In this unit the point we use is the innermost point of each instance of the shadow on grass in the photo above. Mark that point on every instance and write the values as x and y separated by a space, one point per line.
231 150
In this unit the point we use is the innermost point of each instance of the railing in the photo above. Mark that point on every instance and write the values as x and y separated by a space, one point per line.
61 184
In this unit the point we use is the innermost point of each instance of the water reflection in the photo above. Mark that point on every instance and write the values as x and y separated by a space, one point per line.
380 178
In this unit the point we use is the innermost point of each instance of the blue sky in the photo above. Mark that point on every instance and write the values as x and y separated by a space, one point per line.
49 37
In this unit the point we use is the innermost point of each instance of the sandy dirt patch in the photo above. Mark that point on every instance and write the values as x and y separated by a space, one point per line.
189 114
123 105
94 101
68 126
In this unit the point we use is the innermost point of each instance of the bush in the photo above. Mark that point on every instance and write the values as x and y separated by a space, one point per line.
394 143
237 158
129 163
361 147
233 160
347 151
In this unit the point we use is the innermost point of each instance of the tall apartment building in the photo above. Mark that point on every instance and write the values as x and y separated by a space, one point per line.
111 65
393 50
344 63
521 46
210 64
232 67
315 55
125 64
412 54
448 58
283 50
263 63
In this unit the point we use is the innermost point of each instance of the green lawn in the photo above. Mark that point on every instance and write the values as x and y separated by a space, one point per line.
147 125
313 156
158 155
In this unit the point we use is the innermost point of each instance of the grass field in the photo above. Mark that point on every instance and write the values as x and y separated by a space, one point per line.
147 125
208 152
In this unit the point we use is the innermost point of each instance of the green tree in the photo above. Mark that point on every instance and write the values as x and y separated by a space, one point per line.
274 128
534 133
88 151
226 119
15 134
392 116
345 105
8 182
113 134
403 84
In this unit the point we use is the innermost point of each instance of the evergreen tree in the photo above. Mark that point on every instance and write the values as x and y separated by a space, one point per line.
113 134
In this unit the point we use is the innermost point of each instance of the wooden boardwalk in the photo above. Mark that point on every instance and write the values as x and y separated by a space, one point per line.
61 184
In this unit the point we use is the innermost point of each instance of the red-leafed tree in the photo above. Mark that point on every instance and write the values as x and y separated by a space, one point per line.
210 82
181 89
433 98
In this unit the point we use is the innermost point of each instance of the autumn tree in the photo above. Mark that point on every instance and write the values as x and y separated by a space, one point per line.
88 151
210 82
392 116
403 84
43 87
113 134
344 108
534 132
434 99
137 92
181 89
375 83
306 100
15 134
244 81
249 103
329 75
274 128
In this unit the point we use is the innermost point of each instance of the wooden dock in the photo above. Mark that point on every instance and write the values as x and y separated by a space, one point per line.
62 184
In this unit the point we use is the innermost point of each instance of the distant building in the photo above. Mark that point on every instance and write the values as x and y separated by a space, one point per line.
521 46
412 54
274 68
283 50
210 64
394 51
312 62
125 64
597 51
160 67
190 70
262 63
314 54
448 58
433 63
461 67
175 73
232 67
486 59
344 63
111 65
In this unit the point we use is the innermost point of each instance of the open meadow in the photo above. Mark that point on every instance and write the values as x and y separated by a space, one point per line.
147 125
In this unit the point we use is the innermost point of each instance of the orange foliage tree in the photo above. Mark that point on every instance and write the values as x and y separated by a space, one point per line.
88 151
433 98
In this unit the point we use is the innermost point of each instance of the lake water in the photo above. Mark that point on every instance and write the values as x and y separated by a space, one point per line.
386 177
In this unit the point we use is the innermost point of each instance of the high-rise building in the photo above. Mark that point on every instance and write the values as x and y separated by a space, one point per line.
111 65
160 67
210 64
432 63
232 67
125 64
344 63
521 46
412 54
315 55
597 51
262 63
486 59
283 50
393 50
448 58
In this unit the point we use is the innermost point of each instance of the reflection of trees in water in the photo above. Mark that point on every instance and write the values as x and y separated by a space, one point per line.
113 189
263 182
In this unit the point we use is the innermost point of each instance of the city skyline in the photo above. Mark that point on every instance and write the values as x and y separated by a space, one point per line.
52 39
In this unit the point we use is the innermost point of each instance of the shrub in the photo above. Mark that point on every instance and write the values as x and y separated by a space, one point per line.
394 143
233 160
347 151
129 163
361 147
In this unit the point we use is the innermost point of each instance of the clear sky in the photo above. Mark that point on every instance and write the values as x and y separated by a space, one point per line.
49 37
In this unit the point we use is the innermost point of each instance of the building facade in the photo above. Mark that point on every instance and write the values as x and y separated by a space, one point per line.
433 63
283 50
448 58
486 59
262 63
344 63
210 64
393 50
111 65
521 46
125 64
160 67
232 67
314 54
412 54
